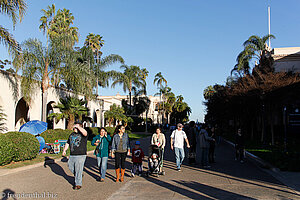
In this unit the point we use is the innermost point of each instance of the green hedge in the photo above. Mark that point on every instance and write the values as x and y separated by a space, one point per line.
93 131
24 145
6 150
51 135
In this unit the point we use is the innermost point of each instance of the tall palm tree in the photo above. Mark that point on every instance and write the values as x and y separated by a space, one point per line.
15 10
255 48
132 76
159 80
70 108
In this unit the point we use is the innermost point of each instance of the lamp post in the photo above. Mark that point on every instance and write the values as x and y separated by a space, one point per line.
285 129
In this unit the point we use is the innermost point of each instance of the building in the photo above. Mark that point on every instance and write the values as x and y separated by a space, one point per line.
286 59
18 111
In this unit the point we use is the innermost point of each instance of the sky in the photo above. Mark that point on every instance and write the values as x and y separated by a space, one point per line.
193 43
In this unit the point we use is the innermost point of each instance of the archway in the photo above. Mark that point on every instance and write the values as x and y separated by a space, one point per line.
50 110
21 113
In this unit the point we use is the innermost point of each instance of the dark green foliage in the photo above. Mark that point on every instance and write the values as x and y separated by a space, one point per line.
6 150
92 132
24 145
56 134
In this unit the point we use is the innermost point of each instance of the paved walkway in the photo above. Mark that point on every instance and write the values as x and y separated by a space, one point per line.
227 179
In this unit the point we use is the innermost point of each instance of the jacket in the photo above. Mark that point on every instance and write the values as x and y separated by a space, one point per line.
116 141
204 139
103 147
160 139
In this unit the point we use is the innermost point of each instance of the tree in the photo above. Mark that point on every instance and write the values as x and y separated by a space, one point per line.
159 80
208 92
70 108
15 10
255 48
116 113
132 76
2 120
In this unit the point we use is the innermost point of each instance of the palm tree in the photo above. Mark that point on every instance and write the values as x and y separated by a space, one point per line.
132 76
208 92
2 120
115 113
159 80
70 108
15 10
255 48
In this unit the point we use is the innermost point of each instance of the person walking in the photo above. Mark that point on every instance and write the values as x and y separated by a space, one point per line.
77 142
137 160
158 139
204 146
239 146
212 146
178 137
120 148
101 142
191 135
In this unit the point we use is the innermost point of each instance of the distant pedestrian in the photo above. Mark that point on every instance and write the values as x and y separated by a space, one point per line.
101 142
158 139
120 148
212 146
239 146
191 135
77 142
137 160
178 137
204 146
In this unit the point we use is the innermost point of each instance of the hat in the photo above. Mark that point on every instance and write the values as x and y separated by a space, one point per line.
137 143
78 122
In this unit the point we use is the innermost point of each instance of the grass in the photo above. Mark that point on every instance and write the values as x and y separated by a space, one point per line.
135 136
41 158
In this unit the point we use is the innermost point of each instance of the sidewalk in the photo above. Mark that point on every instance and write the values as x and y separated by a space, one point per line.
226 179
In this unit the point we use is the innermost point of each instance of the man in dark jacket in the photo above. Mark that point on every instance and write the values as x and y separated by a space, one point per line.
239 146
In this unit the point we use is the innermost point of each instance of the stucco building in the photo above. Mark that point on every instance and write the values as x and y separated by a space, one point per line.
18 111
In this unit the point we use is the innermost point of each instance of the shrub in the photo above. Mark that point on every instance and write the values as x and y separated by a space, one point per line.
6 148
51 135
24 145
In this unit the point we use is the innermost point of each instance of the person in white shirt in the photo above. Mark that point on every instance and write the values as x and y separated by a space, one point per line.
177 144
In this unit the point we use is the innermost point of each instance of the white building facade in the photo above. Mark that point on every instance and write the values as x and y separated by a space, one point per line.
18 111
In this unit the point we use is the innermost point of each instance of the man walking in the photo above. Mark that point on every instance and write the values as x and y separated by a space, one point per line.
77 142
177 143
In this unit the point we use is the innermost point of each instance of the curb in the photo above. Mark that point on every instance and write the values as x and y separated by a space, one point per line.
4 172
270 169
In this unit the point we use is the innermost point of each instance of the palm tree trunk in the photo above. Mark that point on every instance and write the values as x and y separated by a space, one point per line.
71 122
44 105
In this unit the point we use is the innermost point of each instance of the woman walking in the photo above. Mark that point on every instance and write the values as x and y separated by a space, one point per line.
158 139
120 147
101 142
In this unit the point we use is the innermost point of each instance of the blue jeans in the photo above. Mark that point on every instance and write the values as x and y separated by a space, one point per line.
204 156
76 165
102 164
137 168
179 156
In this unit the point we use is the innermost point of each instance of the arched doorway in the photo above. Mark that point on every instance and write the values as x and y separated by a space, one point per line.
21 113
50 110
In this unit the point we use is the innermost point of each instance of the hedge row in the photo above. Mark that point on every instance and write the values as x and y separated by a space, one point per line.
17 146
51 135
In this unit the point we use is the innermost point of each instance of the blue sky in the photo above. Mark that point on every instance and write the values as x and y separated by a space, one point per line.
193 43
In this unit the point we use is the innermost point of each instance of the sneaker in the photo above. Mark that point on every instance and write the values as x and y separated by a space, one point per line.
179 170
242 161
77 187
102 180
132 175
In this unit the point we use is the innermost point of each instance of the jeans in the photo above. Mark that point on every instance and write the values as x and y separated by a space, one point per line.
179 156
76 165
137 168
102 164
204 156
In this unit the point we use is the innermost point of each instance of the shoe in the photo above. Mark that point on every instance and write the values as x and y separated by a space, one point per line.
122 175
140 175
77 187
117 174
132 175
102 180
242 161
179 170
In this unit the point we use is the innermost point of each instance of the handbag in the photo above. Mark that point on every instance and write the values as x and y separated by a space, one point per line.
97 148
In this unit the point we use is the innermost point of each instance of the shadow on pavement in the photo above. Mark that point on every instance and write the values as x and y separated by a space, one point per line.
57 169
8 194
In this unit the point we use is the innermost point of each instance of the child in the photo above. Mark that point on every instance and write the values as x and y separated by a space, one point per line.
137 159
153 161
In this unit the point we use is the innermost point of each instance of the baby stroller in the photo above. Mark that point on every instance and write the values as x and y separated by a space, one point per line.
155 161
